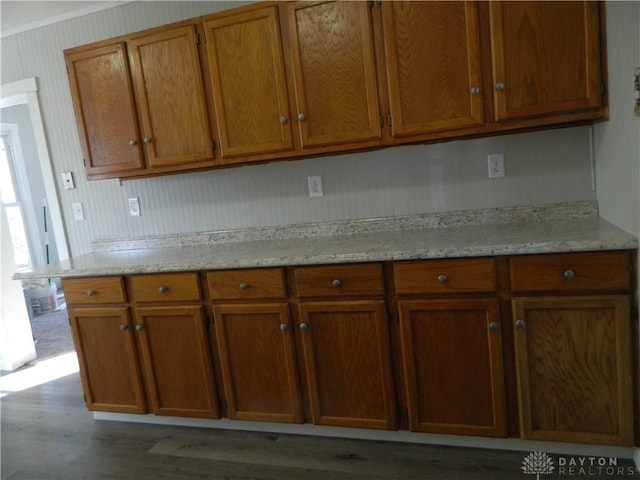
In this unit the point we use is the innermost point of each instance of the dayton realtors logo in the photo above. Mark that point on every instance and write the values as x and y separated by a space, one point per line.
540 463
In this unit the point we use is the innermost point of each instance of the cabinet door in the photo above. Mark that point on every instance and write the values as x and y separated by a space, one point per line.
105 110
546 58
573 366
433 72
170 92
333 72
177 361
108 361
347 363
249 86
452 357
258 362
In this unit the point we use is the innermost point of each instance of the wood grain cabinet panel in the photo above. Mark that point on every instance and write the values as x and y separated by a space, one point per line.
340 280
105 110
165 287
573 272
574 368
445 276
176 361
169 87
334 73
109 368
94 290
434 72
259 283
546 58
249 84
347 363
452 357
257 355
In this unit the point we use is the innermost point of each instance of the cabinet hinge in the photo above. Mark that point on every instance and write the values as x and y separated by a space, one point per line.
381 121
84 162
197 38
84 398
389 119
602 89
213 145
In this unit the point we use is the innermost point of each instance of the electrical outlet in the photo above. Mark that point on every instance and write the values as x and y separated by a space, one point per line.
78 211
496 165
134 207
315 186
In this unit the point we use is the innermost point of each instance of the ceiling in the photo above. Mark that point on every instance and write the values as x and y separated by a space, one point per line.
20 15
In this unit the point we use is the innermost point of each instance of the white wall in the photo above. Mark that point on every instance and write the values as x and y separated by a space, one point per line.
541 167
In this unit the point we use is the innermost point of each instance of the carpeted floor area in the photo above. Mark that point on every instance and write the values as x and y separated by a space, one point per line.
52 333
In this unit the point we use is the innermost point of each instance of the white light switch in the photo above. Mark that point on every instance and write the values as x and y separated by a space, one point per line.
134 207
78 211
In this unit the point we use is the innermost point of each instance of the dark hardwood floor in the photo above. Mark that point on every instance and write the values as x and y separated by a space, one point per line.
48 434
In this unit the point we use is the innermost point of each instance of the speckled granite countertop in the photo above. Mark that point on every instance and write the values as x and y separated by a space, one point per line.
571 227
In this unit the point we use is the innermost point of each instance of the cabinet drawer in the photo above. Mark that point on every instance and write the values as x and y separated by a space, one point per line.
339 280
253 283
445 276
95 290
571 272
166 287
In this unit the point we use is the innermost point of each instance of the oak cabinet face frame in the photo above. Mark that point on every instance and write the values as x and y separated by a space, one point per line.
286 80
140 103
355 345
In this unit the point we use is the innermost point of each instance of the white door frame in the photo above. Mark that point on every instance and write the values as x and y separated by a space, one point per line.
26 91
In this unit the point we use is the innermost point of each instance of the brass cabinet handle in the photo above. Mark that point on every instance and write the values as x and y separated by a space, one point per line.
443 279
139 328
336 283
569 274
124 327
304 326
284 327
520 324
162 289
243 286
494 326
500 86
302 117
90 293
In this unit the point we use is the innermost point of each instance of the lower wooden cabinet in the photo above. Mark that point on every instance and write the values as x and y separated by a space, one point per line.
347 363
452 359
573 364
257 357
109 368
176 361
315 343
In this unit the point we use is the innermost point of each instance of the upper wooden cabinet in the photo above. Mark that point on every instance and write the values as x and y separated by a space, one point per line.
277 80
434 73
105 111
140 104
546 58
245 59
334 72
172 109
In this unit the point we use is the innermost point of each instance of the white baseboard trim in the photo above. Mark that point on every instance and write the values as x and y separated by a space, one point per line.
403 436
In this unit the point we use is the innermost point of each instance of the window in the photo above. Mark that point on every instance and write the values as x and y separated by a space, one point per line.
10 202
